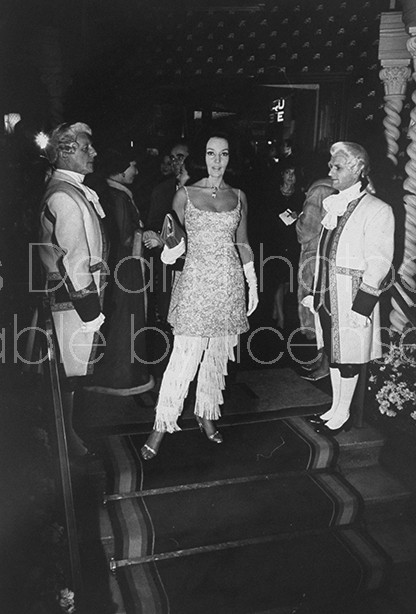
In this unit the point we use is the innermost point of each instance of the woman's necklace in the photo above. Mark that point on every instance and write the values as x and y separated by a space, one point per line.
214 189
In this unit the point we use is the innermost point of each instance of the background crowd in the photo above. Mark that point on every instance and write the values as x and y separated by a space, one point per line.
133 190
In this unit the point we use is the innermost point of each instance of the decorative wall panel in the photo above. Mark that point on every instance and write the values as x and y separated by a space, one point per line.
286 38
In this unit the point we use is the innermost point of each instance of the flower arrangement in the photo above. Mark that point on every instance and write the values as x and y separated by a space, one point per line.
392 379
67 601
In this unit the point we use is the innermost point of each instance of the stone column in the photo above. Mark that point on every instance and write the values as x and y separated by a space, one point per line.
407 270
395 54
395 74
395 80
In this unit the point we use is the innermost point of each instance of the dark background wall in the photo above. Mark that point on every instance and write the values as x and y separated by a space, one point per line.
143 65
141 69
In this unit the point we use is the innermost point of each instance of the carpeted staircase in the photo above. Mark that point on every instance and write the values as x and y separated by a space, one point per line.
381 469
277 520
261 524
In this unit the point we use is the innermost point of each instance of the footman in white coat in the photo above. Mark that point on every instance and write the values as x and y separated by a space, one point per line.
355 255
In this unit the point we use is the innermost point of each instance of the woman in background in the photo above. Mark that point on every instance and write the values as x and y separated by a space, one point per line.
281 247
123 369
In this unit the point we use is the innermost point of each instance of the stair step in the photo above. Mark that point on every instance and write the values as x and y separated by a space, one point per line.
397 536
174 553
260 576
233 510
384 495
360 447
382 604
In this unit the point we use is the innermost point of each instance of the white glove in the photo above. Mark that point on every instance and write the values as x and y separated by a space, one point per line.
307 302
170 255
93 325
251 278
357 320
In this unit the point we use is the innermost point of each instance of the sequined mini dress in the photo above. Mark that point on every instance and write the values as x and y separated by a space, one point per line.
208 298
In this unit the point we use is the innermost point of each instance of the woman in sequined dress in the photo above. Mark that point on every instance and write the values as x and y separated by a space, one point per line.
208 307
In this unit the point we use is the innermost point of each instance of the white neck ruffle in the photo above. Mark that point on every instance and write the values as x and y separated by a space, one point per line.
336 204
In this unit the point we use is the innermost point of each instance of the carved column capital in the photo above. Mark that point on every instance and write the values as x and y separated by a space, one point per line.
395 61
395 79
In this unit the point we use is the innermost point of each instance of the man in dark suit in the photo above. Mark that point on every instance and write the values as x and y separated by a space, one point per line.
162 195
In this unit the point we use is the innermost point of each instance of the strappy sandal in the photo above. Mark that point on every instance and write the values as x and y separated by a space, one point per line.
215 437
149 452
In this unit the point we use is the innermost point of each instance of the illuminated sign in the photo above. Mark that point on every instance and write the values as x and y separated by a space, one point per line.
277 111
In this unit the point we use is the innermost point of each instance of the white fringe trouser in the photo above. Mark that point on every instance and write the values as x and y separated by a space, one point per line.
211 355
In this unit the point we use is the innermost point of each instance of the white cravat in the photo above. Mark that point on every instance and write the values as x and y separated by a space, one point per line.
78 180
93 197
336 204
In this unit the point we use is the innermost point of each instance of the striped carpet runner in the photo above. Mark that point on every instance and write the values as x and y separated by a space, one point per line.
262 523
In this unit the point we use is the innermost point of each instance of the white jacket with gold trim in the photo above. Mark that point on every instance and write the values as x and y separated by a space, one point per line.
71 251
360 259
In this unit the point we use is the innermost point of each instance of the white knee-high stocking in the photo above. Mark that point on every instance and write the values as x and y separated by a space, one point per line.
342 413
335 376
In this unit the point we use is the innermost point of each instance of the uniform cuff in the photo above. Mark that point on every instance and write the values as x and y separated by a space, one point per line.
364 303
88 307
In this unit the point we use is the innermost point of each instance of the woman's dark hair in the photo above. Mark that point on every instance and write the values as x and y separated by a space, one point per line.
199 146
286 165
220 134
115 160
